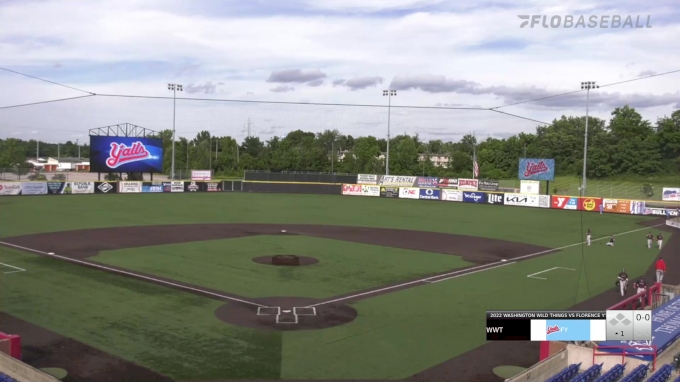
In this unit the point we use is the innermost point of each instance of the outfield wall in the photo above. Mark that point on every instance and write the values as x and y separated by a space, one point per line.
21 371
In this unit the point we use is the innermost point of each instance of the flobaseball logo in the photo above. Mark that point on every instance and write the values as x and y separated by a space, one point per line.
556 329
120 154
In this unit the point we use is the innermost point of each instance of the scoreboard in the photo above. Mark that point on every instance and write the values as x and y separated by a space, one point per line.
609 325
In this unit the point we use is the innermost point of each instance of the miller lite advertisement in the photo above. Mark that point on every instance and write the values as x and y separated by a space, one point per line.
126 154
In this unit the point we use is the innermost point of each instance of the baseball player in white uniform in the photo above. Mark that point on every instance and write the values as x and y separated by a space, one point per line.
588 237
659 239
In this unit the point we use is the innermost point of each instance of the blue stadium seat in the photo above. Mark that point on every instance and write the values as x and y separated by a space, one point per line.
589 375
662 375
613 375
677 379
637 375
566 374
6 378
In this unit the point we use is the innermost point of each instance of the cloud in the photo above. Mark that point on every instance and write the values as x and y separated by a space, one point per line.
296 76
358 83
57 65
315 83
646 73
207 88
282 89
338 82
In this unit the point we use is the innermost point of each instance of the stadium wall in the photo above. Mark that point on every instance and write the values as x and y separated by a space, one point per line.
543 370
21 371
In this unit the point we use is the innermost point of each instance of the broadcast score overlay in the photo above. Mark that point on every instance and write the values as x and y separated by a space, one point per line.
610 325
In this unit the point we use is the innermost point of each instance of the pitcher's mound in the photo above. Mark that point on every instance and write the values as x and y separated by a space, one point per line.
286 260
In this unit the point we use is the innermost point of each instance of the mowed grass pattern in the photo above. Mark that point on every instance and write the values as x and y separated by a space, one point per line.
227 265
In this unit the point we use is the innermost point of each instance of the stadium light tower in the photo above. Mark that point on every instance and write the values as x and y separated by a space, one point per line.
388 94
587 86
175 88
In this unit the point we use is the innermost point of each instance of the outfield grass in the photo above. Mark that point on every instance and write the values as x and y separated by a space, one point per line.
227 265
394 336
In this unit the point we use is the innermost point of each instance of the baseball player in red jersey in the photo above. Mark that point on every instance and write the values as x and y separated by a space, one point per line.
660 269
650 237
659 239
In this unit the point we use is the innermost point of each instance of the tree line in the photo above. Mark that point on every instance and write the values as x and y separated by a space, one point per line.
626 144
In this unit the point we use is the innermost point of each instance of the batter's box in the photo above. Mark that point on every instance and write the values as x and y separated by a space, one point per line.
268 310
304 311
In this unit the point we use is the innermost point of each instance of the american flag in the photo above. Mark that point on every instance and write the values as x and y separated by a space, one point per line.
475 169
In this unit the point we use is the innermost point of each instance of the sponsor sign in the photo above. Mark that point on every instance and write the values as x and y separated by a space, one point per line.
55 188
522 200
536 169
660 212
448 183
152 187
351 189
78 188
34 188
590 204
671 194
637 207
389 192
616 206
213 186
544 201
468 184
530 187
409 193
167 187
105 188
370 190
429 194
367 179
427 182
489 185
201 175
452 195
10 188
564 203
474 197
129 187
395 180
126 154
191 187
496 199
177 186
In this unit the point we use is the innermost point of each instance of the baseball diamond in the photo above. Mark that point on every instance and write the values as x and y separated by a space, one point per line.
372 292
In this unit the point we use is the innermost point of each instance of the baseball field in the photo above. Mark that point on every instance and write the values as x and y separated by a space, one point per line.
165 287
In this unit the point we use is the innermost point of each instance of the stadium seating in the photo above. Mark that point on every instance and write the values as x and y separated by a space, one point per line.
6 378
677 379
613 375
637 375
566 374
662 375
589 375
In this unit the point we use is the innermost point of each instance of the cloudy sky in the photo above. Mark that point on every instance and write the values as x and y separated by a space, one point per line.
438 55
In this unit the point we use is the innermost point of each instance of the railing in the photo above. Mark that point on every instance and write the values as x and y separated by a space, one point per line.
623 353
652 296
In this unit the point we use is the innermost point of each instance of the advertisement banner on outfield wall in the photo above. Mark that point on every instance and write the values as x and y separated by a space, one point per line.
367 179
544 201
468 184
191 187
671 194
10 188
201 175
34 188
615 206
212 186
452 195
78 188
427 182
447 183
129 187
370 190
429 194
351 189
389 192
661 212
489 185
176 186
55 188
152 187
532 187
637 207
522 200
474 197
564 203
396 180
497 199
105 188
409 193
590 204
536 169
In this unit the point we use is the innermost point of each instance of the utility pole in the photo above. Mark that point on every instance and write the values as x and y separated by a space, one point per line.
332 155
37 150
247 126
175 88
210 154
587 86
388 93
78 148
58 151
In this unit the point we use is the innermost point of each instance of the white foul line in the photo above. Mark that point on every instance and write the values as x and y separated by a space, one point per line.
51 254
17 269
547 270
466 271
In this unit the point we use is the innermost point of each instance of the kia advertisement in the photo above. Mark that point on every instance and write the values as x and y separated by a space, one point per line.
126 154
474 197
429 194
427 182
536 169
564 203
351 189
590 204
409 193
